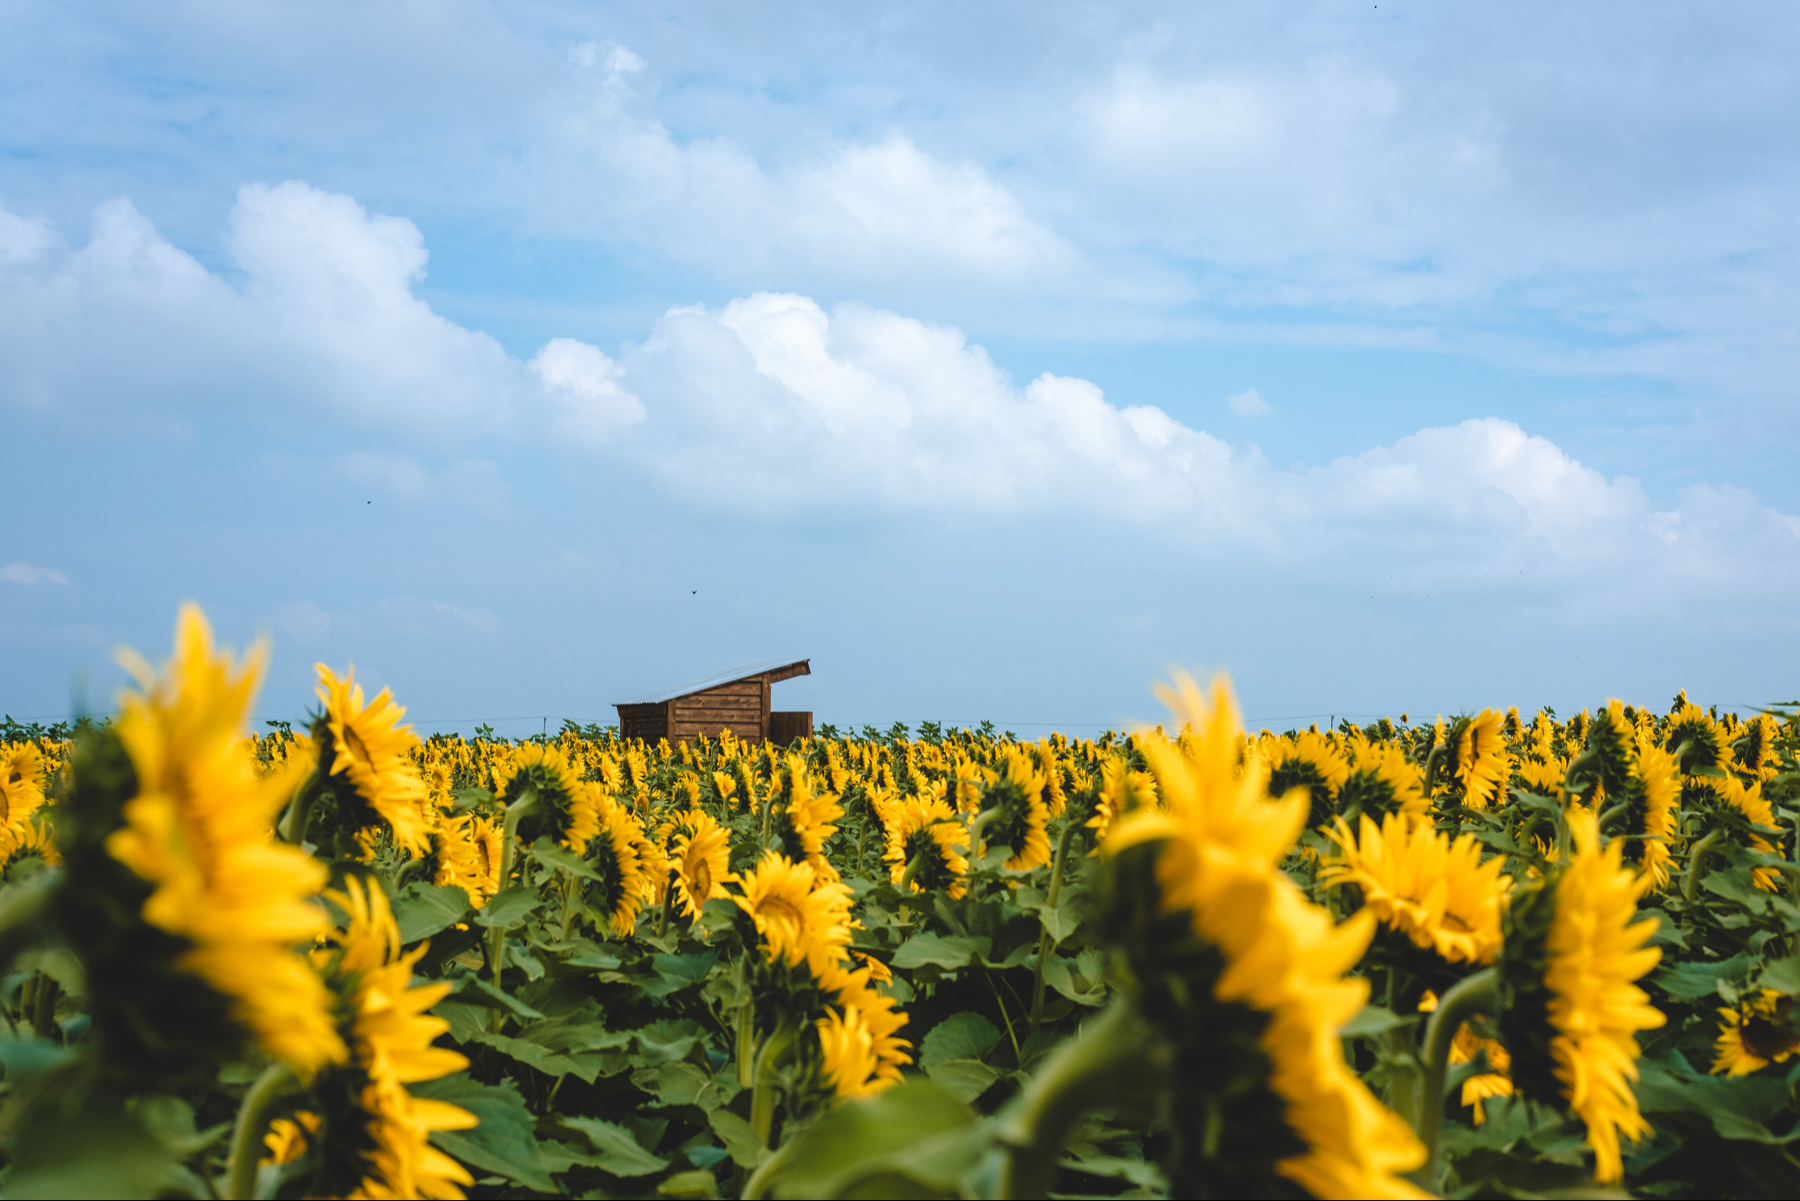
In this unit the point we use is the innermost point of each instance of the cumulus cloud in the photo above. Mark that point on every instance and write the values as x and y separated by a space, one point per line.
18 572
772 401
319 319
850 209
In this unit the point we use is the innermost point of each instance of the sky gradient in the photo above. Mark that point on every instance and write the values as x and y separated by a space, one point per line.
998 358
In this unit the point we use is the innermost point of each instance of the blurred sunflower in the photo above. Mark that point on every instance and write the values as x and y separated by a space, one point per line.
799 918
1306 760
1756 809
1271 965
723 788
1754 1033
21 784
198 831
804 815
702 860
30 840
848 1049
1694 737
1477 758
1435 891
362 741
1570 1007
1381 780
374 1135
465 851
1755 749
1013 814
926 831
1121 790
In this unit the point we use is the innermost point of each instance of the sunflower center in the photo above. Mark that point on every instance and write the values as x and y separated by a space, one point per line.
777 908
359 750
1766 1039
700 877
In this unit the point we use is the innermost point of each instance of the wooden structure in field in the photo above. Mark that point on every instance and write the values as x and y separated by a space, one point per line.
734 700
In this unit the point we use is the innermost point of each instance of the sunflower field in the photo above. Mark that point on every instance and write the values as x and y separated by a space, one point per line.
1482 956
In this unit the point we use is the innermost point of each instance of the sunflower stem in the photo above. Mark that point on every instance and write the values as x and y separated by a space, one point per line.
1690 882
1470 997
1607 818
276 1083
746 1038
1045 943
767 1088
1108 1063
509 851
293 822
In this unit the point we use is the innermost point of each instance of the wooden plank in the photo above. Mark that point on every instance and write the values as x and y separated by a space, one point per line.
802 668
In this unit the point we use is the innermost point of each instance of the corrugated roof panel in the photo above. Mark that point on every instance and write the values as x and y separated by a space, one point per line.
712 681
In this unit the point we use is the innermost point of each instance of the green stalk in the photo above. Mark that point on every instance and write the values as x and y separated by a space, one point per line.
767 1089
1045 943
1472 996
274 1084
1109 1063
1691 881
746 1038
509 851
24 911
1606 819
293 822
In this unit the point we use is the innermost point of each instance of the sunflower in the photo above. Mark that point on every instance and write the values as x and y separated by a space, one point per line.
702 861
1259 990
854 991
1657 770
30 840
617 853
1121 790
1306 760
723 788
362 742
1755 1033
1755 749
1634 777
439 779
198 831
1541 776
1693 737
1437 892
1014 814
566 809
375 1136
799 918
21 784
804 818
1481 1086
848 1052
926 831
1571 1010
1477 758
465 851
1382 780
1756 809
1054 798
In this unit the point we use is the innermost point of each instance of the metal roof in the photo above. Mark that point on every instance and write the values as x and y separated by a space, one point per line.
712 681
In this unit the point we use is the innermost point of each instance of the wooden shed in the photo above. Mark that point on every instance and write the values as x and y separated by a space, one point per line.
734 700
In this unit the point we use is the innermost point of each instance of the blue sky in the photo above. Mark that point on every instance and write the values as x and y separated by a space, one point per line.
999 357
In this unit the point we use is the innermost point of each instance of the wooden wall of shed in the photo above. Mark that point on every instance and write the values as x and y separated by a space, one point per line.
741 706
649 722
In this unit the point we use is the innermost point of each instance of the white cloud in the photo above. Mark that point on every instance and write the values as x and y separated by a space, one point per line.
875 208
583 380
1247 403
772 402
18 572
303 621
439 621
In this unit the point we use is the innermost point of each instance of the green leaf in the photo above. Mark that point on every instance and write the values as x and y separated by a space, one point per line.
95 1150
686 1084
960 1036
945 952
473 990
915 1137
1735 884
668 1040
741 1143
540 1057
551 855
466 1021
1739 1107
676 972
509 907
1691 981
503 1143
964 1079
698 1184
421 909
1374 1020
1076 979
617 1151
1783 975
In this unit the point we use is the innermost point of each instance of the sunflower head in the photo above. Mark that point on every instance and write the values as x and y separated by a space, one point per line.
798 918
1756 1032
1307 760
21 782
701 859
1380 781
1014 814
1694 738
621 855
564 812
925 845
1422 884
366 763
1755 747
1570 1005
1476 760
